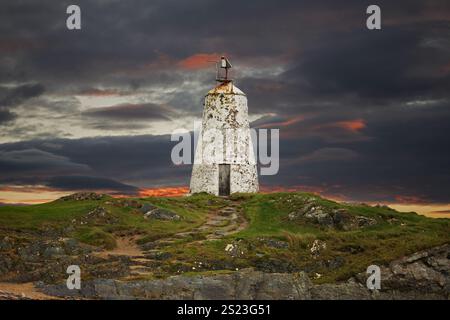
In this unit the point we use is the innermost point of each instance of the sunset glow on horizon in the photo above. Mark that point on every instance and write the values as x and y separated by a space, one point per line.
27 196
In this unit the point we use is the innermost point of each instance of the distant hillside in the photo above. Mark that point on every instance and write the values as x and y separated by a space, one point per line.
154 238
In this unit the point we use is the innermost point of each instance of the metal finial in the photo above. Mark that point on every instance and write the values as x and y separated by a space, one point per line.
224 64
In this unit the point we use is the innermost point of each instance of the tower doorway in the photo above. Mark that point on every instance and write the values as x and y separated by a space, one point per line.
224 179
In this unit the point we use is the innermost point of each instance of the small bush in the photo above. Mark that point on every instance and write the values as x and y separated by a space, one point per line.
96 237
299 241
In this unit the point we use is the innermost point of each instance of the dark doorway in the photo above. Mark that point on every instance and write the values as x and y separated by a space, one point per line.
224 179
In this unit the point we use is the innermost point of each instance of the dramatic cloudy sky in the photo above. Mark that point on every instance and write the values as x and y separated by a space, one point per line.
363 115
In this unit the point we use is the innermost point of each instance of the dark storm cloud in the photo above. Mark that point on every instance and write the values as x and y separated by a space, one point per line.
20 94
362 113
89 183
29 164
358 70
6 116
360 64
119 164
13 97
136 160
126 116
405 156
146 111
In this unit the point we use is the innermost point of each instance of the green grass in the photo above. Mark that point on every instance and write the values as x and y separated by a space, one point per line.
395 235
58 215
95 236
268 219
55 213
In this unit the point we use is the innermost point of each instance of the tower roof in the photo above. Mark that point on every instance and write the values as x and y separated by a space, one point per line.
226 88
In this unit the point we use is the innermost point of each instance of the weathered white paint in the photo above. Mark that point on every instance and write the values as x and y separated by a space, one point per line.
224 139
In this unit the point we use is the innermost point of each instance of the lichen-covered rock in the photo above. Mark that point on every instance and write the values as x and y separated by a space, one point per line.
339 218
245 284
12 296
424 271
423 275
83 196
127 203
274 243
235 250
98 215
161 214
146 207
316 247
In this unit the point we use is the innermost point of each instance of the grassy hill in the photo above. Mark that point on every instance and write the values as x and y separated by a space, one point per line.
278 232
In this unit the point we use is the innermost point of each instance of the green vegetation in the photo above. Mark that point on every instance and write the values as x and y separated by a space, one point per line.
96 237
40 216
271 241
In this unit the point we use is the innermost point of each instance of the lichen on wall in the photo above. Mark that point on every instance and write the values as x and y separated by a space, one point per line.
225 139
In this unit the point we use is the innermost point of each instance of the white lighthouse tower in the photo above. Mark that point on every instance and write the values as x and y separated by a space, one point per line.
224 160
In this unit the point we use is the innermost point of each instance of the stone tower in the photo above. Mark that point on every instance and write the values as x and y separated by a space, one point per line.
224 160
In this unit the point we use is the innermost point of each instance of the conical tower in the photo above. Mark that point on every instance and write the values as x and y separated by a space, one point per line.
224 160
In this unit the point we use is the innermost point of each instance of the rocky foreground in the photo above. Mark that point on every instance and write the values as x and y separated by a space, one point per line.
277 246
423 275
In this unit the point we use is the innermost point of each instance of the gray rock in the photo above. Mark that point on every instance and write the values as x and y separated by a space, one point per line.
350 290
274 243
245 284
159 255
83 196
71 244
99 215
146 207
338 218
6 243
365 221
423 275
161 214
51 252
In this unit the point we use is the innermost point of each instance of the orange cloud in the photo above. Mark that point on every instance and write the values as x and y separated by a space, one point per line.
446 69
285 123
15 45
349 125
410 199
29 194
297 188
199 60
164 192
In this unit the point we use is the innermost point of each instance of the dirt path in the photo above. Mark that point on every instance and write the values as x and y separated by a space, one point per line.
126 246
19 291
219 223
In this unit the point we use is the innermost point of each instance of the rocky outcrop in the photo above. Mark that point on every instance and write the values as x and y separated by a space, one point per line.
12 296
246 284
338 218
153 212
47 260
98 215
423 275
427 271
83 196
